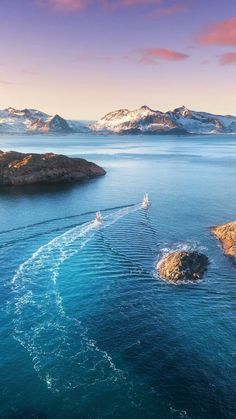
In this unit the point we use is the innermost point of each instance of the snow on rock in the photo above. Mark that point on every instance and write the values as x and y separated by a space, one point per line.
123 121
143 120
33 121
180 120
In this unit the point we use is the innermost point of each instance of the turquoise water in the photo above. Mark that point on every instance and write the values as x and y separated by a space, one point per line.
88 329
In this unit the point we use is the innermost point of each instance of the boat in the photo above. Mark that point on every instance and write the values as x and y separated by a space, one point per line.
98 218
146 202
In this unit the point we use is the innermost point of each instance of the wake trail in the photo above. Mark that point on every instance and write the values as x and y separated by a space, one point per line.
33 236
64 218
41 325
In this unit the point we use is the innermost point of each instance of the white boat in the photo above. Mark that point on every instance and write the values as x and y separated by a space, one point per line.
98 218
146 202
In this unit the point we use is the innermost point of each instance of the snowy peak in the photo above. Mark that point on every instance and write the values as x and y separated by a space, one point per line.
142 120
30 113
33 121
181 120
127 114
145 108
120 113
11 110
182 111
54 124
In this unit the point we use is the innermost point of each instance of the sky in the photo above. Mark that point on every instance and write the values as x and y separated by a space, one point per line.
84 58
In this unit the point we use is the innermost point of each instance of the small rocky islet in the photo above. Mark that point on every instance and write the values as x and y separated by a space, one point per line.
183 266
180 266
31 168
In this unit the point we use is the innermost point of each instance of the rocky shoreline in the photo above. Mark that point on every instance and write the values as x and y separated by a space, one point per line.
30 168
226 233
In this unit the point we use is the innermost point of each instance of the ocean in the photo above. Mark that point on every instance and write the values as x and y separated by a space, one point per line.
88 328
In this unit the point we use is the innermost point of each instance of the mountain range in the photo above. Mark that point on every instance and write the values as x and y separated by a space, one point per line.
140 121
179 121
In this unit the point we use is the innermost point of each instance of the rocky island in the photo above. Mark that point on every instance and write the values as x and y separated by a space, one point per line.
182 266
24 169
226 233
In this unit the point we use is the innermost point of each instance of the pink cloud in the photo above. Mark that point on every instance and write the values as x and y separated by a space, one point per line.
154 55
228 58
144 56
221 33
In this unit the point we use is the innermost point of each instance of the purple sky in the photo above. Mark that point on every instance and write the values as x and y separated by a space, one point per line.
83 58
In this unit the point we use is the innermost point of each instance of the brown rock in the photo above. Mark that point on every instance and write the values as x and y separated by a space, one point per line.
226 233
22 169
181 266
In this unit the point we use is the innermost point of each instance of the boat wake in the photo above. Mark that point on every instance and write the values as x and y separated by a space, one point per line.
55 341
68 217
31 231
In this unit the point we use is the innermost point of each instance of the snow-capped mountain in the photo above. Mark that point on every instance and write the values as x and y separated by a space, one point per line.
202 122
179 121
32 121
140 121
143 120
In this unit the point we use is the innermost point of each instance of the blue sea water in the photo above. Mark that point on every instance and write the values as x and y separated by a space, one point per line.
88 328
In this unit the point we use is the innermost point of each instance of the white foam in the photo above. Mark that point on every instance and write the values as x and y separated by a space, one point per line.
39 311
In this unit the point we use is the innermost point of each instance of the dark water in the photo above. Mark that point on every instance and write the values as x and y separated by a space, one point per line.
88 329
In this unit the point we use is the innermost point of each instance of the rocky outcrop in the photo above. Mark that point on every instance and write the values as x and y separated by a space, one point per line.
182 266
22 169
226 233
